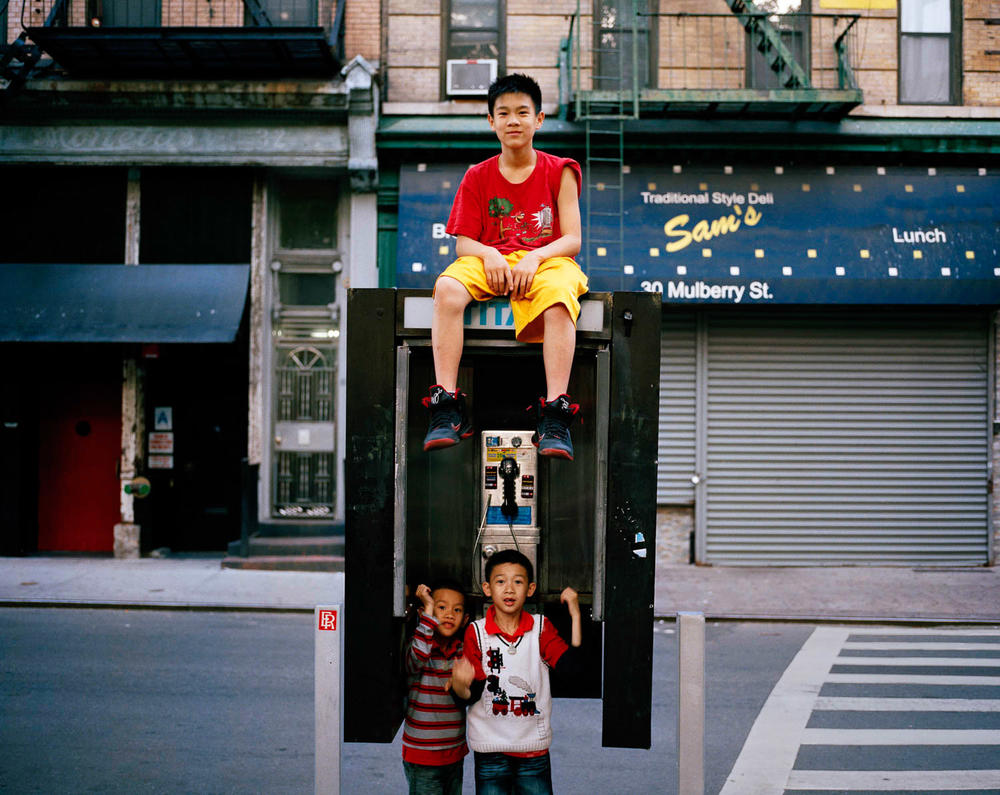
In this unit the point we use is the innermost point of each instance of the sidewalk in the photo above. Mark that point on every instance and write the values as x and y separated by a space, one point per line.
931 594
180 581
905 593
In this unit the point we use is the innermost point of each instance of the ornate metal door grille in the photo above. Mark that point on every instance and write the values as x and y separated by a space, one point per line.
304 478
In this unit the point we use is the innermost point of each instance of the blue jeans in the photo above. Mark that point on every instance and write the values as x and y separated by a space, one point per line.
501 774
434 779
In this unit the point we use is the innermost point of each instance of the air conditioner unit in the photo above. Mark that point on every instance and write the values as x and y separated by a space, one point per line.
470 77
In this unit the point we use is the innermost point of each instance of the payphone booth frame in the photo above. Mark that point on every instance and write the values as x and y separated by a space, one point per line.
626 339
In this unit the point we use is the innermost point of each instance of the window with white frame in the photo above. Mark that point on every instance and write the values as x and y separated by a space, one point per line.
928 52
473 45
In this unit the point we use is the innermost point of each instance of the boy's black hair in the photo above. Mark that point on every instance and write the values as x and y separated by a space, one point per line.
509 556
450 583
511 84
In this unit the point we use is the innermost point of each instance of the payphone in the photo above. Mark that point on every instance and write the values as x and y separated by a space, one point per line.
413 516
507 482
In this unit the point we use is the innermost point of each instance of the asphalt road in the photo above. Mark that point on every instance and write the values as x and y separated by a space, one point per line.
204 702
149 701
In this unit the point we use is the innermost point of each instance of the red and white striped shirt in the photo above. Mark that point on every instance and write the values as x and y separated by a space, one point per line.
434 729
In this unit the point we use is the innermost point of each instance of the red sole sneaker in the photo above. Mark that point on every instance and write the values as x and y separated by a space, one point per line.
438 444
556 454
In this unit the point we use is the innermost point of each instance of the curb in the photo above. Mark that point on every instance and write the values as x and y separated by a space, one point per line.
108 604
219 607
799 618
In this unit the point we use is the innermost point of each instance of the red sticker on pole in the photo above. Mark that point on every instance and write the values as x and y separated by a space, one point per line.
328 620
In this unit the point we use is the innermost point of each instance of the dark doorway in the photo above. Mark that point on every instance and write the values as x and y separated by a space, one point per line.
195 504
196 216
18 454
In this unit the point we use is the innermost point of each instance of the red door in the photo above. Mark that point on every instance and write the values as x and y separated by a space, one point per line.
79 451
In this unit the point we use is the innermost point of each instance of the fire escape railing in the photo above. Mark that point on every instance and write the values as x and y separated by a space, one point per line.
176 39
744 49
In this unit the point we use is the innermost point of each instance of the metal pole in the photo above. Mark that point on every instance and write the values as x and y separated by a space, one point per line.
691 704
329 629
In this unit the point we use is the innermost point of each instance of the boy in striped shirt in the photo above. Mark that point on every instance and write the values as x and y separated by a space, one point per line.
434 730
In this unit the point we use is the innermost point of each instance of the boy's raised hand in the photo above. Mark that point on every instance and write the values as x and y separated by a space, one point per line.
497 272
462 674
426 598
571 599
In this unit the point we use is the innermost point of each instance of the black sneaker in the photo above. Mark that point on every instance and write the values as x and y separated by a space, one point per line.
554 418
450 421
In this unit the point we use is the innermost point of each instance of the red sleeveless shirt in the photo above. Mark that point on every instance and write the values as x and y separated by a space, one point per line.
507 216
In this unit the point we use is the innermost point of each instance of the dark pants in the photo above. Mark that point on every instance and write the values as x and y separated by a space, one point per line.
434 779
502 774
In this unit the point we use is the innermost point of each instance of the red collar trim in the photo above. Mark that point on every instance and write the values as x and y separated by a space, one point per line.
525 625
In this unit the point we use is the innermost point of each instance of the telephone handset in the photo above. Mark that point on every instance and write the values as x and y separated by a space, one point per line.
509 470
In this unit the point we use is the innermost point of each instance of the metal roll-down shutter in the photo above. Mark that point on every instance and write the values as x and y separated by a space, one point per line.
678 374
845 437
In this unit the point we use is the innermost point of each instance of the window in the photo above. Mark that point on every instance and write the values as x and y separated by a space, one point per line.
195 215
308 214
124 13
928 52
277 13
473 31
64 214
614 31
790 20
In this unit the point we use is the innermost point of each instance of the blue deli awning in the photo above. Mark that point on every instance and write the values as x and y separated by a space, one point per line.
121 303
750 233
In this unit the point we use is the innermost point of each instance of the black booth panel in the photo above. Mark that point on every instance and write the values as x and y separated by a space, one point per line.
374 690
631 509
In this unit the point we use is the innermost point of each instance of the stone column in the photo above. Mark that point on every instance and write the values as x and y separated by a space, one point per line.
127 531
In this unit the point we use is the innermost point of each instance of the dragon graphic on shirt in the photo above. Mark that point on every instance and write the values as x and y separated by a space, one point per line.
518 226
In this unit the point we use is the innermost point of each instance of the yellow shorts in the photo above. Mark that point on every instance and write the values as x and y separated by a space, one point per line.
558 280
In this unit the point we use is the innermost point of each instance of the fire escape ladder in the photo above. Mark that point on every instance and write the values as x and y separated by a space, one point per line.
604 111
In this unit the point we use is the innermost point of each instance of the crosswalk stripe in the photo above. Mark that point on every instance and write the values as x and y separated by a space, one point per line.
860 704
910 679
884 780
971 662
900 737
921 646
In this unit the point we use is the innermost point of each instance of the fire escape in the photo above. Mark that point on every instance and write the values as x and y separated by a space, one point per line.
129 39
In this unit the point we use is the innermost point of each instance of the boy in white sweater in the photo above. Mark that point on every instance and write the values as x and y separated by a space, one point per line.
504 673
